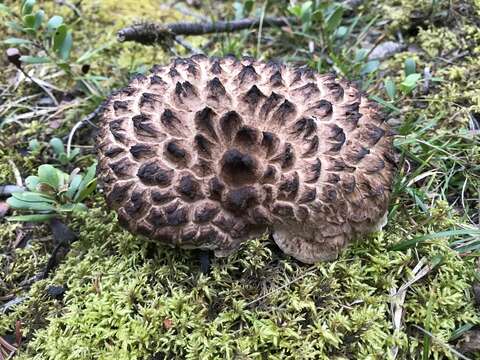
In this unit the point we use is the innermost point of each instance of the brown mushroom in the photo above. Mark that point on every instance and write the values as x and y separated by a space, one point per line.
208 152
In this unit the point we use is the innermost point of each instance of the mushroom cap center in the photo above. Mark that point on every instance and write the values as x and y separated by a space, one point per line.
239 168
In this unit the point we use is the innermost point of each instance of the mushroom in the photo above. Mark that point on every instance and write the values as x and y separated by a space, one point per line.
209 152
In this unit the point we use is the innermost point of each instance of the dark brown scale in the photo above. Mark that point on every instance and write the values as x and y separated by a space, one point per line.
136 204
329 194
356 154
313 171
175 214
215 188
336 164
322 109
260 215
247 74
173 73
157 218
247 136
121 107
283 210
372 134
287 157
352 118
225 223
269 175
141 151
288 186
216 68
238 168
128 91
230 123
207 235
157 80
305 125
149 102
113 152
374 165
270 142
204 122
253 97
119 193
116 128
337 134
336 90
203 145
215 90
189 188
122 168
175 152
312 147
239 200
205 212
162 196
143 126
270 103
332 178
185 90
308 90
276 79
308 195
152 173
285 112
171 122
348 183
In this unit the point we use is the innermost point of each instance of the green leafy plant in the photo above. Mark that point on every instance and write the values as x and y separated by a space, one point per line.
52 192
59 150
51 38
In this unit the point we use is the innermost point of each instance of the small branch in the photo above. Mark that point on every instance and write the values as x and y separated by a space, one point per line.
152 33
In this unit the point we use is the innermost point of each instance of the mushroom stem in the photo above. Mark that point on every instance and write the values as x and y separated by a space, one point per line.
151 33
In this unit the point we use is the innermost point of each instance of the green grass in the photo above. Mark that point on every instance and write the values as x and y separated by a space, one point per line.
127 298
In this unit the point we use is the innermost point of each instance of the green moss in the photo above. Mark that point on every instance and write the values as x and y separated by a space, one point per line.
128 299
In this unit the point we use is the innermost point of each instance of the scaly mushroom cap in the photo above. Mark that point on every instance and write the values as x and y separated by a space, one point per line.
206 153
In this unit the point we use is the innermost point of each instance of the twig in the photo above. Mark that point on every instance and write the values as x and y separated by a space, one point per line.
80 124
16 173
151 33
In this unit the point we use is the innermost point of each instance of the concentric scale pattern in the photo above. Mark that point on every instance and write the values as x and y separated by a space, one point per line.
207 152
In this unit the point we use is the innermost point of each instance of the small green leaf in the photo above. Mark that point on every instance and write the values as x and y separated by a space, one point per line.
390 88
73 186
88 181
29 21
36 206
31 182
410 82
49 175
360 55
32 217
38 19
74 153
410 67
57 146
29 196
370 67
66 45
34 59
334 19
27 7
59 36
54 23
86 191
16 41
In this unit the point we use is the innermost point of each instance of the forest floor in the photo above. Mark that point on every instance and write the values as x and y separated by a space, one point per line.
409 291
